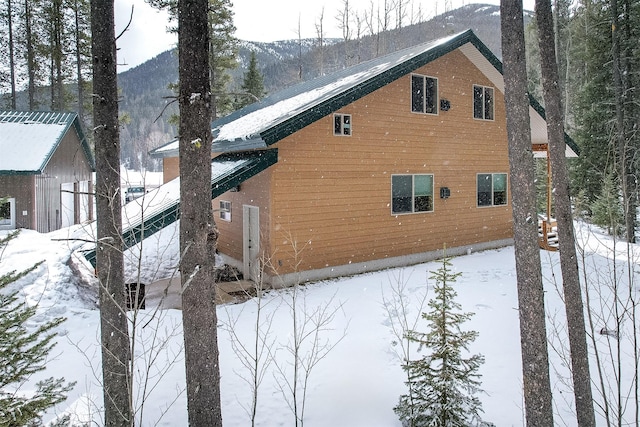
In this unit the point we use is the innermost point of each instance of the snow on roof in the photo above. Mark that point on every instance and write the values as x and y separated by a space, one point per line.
249 122
168 194
28 139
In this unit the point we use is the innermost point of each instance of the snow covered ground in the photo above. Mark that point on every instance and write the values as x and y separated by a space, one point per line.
359 381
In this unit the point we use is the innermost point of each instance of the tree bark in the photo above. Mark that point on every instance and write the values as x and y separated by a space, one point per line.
198 234
624 156
109 257
12 65
568 259
533 337
30 53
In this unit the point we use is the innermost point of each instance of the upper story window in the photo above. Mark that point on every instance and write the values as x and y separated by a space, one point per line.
483 102
492 189
424 94
342 124
411 193
225 210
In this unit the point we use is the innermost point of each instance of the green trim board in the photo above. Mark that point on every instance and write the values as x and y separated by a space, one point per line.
283 113
540 110
247 165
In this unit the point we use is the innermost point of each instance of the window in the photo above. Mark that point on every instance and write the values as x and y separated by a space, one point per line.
342 124
424 94
492 189
411 193
225 210
482 102
7 214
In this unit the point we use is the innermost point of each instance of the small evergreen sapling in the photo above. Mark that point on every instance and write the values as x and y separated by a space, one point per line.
444 384
23 352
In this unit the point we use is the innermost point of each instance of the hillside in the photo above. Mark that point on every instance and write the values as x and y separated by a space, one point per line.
147 100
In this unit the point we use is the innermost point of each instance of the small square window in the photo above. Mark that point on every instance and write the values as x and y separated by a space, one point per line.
342 124
483 102
424 94
225 210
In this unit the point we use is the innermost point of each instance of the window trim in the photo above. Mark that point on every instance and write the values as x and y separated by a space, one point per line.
349 126
9 223
413 194
225 210
506 190
436 101
493 103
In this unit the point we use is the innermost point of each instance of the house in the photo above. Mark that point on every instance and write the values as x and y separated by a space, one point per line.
45 171
379 165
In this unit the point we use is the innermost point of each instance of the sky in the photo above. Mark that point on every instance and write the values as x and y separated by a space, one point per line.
264 21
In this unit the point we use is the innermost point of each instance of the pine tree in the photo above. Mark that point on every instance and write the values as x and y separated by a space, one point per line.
533 335
222 50
252 85
24 352
444 383
198 232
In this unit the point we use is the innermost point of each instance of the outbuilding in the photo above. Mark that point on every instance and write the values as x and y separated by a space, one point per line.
46 170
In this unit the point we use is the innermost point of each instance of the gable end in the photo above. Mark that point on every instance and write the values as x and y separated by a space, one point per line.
305 118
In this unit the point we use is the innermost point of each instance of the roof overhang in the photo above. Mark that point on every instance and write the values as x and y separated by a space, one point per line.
491 67
147 215
171 149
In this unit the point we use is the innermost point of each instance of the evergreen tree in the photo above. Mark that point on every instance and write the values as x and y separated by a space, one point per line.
444 383
533 335
252 85
222 50
222 55
114 330
23 352
606 210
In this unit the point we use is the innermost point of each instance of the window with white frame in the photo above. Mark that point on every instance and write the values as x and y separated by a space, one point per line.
342 124
492 189
424 94
483 102
225 210
7 213
411 193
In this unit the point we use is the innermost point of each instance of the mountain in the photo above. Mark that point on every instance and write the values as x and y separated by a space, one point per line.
148 103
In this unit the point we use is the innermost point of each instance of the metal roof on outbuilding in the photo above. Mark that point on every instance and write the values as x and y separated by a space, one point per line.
28 139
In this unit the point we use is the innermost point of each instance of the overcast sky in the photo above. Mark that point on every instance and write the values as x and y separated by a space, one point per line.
255 20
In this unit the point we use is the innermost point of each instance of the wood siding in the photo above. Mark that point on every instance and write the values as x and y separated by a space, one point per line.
170 168
253 192
331 194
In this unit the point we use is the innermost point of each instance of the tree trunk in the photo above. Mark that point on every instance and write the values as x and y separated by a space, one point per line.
79 59
624 156
31 62
567 245
109 257
533 337
198 234
12 65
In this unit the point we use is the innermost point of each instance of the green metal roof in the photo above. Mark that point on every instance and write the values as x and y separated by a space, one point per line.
283 113
28 139
161 207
